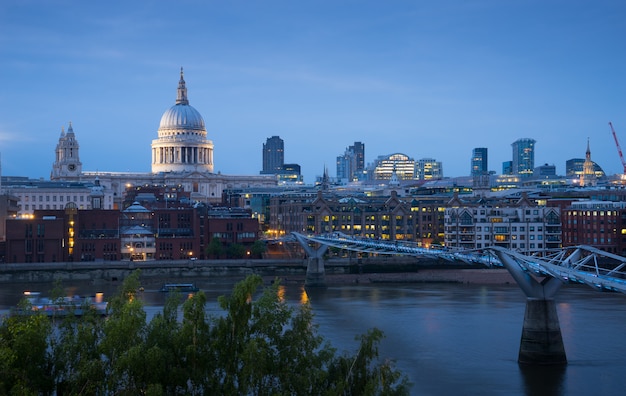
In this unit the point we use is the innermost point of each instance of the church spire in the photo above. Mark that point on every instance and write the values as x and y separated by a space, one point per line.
182 90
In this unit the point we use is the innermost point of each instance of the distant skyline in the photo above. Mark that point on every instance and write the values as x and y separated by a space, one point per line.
425 79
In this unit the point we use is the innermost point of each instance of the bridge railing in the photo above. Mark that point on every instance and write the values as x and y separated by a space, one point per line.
578 264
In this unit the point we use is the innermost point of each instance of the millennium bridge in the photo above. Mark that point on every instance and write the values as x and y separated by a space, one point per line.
539 277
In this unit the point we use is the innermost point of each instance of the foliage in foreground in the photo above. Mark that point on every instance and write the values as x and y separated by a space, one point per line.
257 347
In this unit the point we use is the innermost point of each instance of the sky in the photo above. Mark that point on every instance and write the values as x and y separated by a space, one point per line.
429 79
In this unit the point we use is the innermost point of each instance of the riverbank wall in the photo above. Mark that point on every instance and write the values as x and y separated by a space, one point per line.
338 270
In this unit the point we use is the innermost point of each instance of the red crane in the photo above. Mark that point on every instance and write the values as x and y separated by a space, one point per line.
619 149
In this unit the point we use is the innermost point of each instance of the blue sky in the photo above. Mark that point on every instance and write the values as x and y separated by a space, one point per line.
429 79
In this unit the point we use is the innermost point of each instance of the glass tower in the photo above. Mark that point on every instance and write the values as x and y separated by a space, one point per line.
523 157
479 162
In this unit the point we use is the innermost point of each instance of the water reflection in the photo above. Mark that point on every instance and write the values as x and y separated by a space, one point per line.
543 380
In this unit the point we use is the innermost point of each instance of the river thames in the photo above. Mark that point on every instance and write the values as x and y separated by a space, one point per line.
453 339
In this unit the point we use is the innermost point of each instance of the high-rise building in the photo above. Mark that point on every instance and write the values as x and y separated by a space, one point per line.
359 151
507 168
345 165
351 164
273 155
479 162
523 157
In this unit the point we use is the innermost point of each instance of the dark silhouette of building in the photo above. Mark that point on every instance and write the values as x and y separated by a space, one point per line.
273 155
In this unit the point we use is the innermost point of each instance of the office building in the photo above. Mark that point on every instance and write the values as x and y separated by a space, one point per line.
351 164
400 164
273 155
479 162
428 169
523 157
359 151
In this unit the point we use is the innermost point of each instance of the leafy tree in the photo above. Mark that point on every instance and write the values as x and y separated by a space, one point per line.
25 358
260 345
215 248
123 344
78 367
165 371
258 248
236 251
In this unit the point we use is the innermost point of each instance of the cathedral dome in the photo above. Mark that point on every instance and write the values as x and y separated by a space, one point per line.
182 116
182 144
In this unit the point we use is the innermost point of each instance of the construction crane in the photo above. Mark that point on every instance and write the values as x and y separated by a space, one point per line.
619 149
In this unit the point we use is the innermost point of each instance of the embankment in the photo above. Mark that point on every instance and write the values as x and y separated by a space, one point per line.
368 270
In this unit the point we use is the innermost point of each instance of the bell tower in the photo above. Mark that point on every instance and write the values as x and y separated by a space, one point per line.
67 165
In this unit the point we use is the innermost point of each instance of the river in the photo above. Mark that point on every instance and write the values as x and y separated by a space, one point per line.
455 339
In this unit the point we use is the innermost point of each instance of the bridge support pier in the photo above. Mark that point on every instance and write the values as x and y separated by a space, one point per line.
541 341
315 272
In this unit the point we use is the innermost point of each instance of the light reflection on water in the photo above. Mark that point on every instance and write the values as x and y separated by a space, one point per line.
451 339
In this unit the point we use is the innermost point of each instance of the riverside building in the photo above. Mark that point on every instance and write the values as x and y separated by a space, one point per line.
522 225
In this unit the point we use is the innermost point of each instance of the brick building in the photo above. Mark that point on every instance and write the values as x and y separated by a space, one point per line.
601 224
388 218
142 233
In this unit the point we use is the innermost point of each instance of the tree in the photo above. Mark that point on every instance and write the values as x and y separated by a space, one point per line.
260 345
258 248
123 341
236 251
24 355
215 248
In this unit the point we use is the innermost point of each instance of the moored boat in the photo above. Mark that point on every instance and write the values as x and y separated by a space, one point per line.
179 287
73 305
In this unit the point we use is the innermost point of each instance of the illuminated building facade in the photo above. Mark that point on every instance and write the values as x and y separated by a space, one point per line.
387 218
520 225
428 169
400 164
